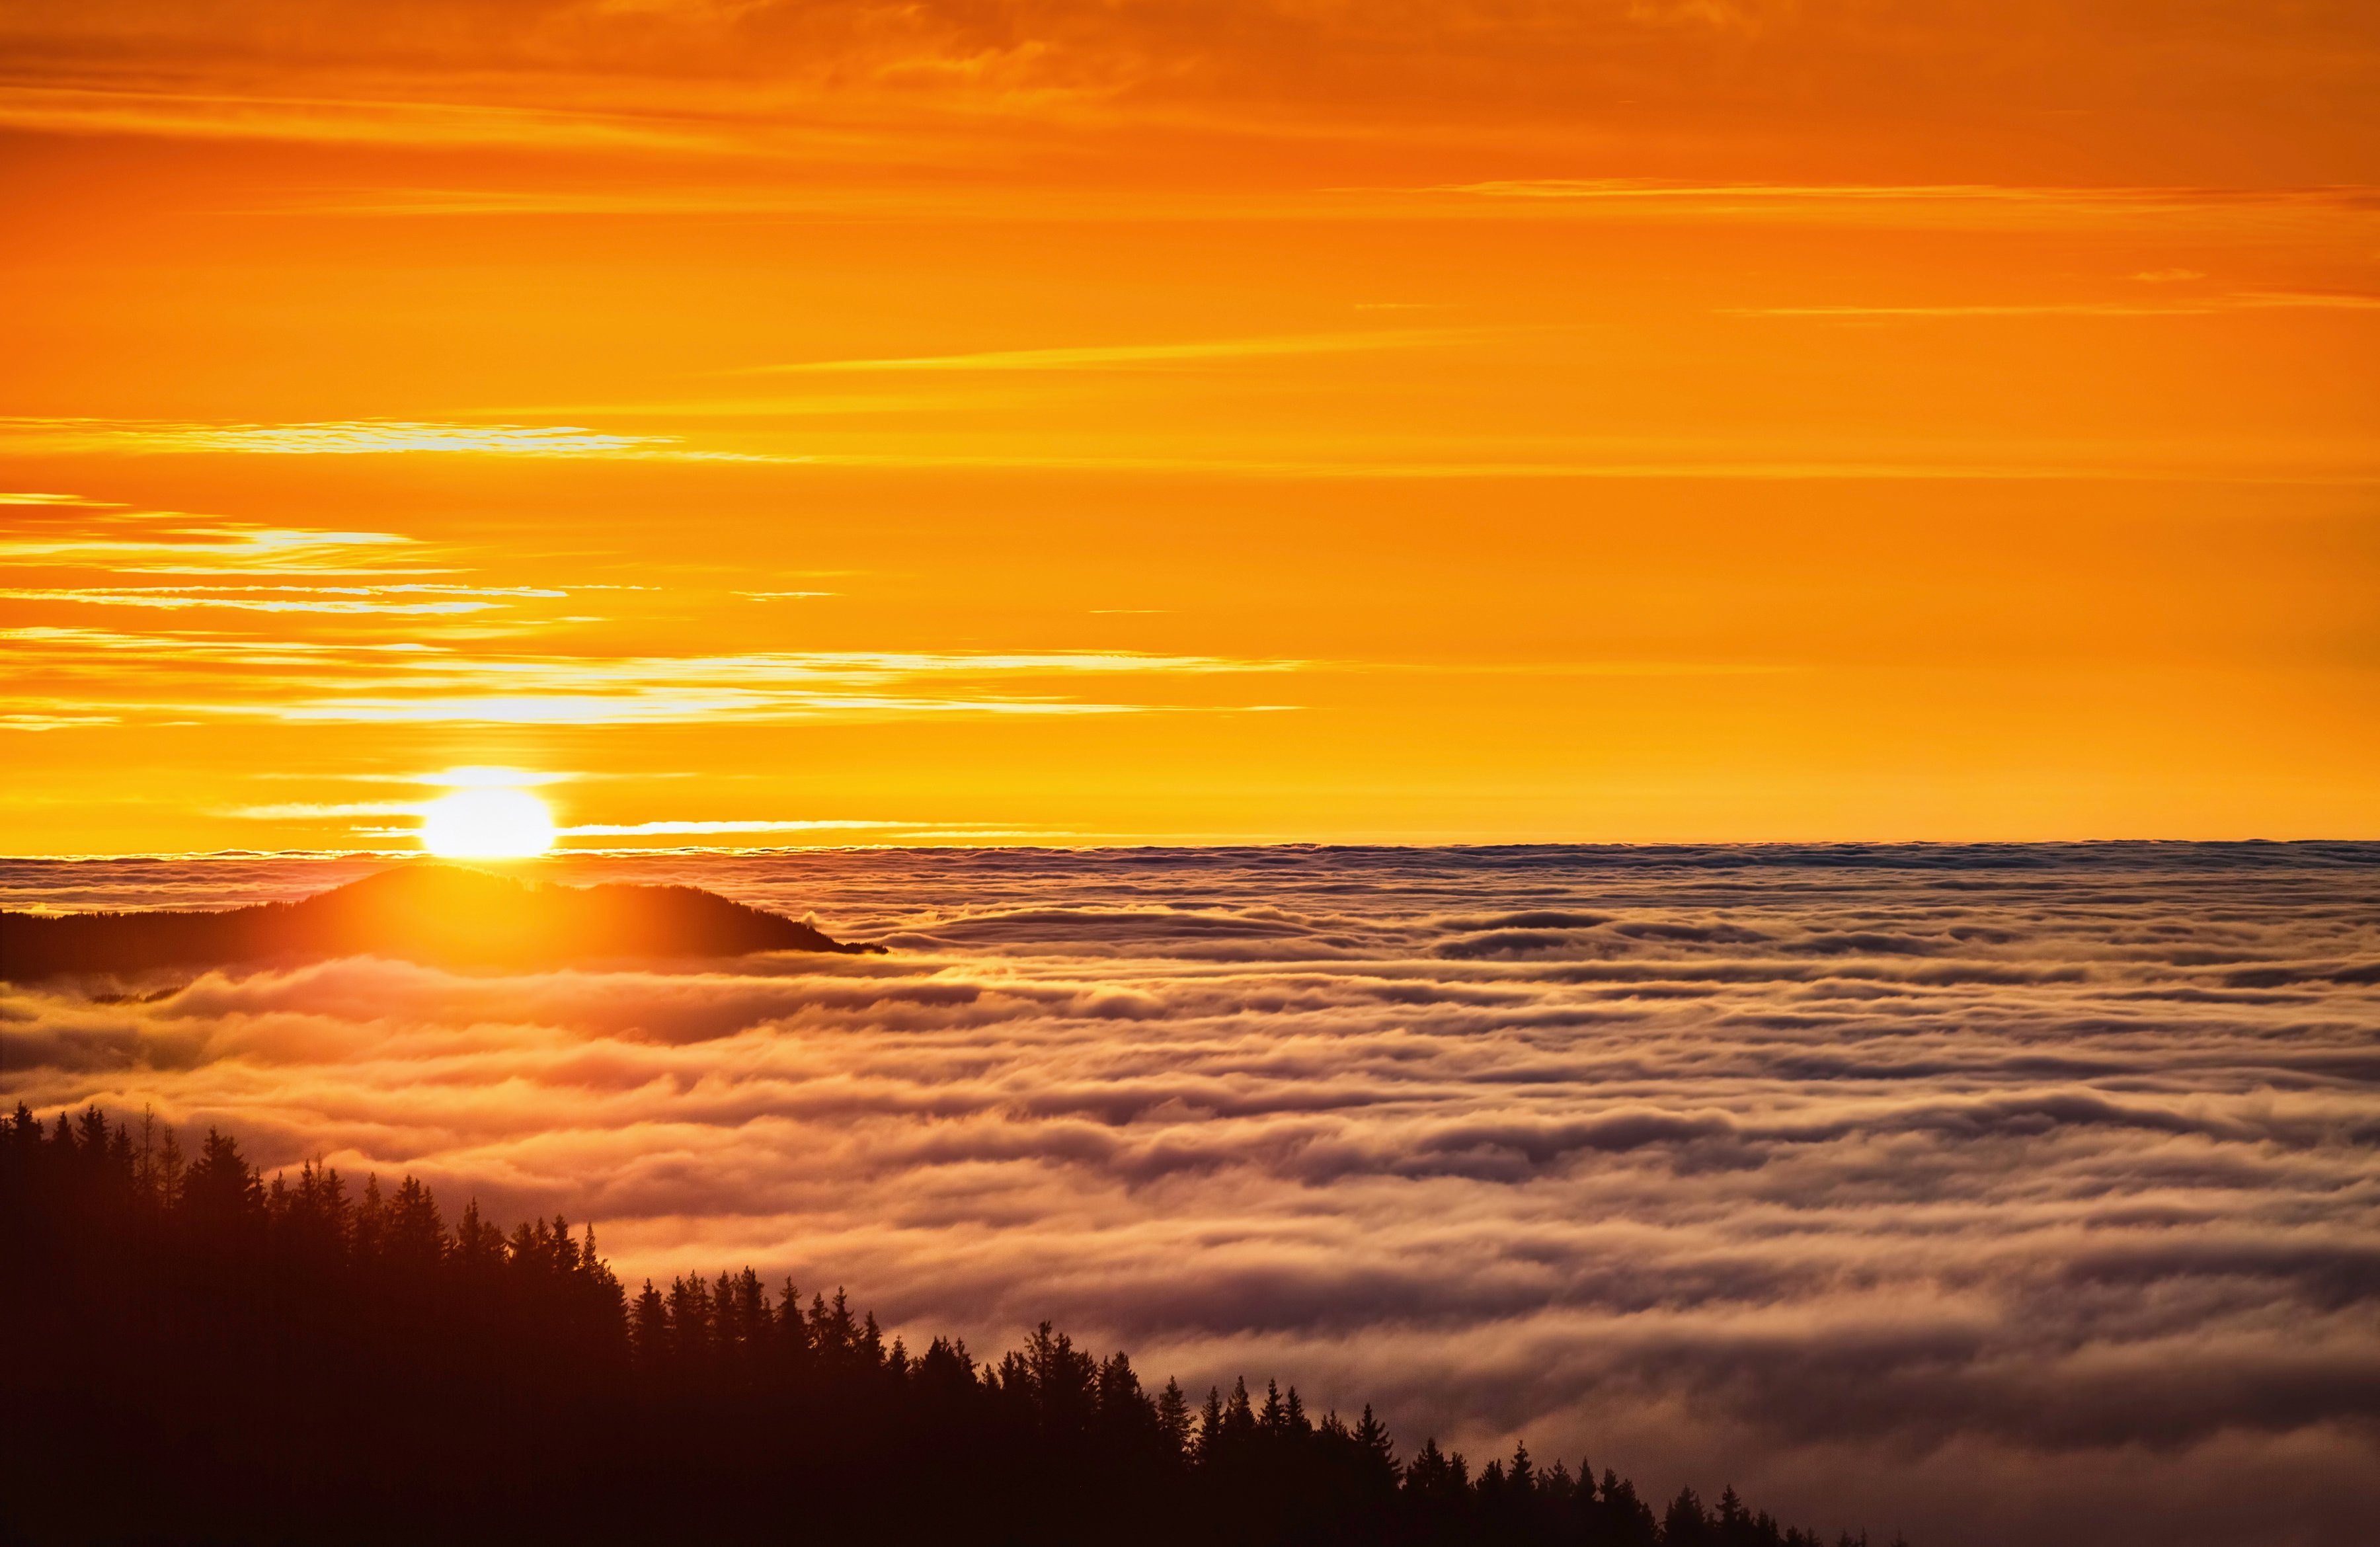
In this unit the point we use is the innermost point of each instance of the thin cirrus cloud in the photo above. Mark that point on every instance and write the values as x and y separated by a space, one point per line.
872 829
1972 1193
325 811
175 675
664 707
1591 464
692 691
1112 357
237 550
680 828
45 720
1982 205
344 438
2254 301
336 600
89 534
2252 211
349 116
86 646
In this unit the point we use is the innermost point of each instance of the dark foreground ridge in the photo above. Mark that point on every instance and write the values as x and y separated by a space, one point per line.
198 1355
444 915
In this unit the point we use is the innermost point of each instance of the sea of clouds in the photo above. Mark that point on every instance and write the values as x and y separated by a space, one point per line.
1992 1194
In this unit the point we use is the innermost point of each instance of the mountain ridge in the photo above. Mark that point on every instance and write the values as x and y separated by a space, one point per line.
422 911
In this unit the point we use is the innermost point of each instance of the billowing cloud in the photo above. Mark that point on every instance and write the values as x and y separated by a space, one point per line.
1968 1191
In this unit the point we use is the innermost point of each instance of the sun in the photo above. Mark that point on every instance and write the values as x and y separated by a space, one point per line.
487 824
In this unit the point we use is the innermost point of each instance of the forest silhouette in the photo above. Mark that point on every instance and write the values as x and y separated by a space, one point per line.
200 1353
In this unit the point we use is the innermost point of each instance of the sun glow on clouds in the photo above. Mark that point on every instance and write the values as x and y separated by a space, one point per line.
491 814
490 776
487 823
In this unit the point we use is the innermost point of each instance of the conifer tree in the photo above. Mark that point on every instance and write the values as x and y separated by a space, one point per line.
219 1191
481 1388
1376 1454
649 1329
1173 1418
1210 1428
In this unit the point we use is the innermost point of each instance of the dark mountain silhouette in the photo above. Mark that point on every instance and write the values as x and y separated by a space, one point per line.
444 915
201 1354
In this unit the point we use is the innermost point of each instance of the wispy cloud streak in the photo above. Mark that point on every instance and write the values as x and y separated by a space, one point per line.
331 600
410 682
2268 300
343 438
1109 357
169 543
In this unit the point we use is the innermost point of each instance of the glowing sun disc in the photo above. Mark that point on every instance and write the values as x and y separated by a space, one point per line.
487 824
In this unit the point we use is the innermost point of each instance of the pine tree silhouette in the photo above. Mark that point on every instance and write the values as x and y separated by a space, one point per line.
202 1354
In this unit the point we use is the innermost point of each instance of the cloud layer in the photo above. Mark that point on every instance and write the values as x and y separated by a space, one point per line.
593 74
1947 1189
408 672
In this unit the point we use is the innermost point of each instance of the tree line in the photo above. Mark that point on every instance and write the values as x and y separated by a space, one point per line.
201 1353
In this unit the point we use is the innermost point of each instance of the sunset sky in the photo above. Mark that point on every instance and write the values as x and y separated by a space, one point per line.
758 424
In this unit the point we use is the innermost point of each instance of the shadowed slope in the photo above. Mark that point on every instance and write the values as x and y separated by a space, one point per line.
440 914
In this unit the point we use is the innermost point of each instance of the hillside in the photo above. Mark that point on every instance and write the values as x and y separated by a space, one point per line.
442 915
205 1354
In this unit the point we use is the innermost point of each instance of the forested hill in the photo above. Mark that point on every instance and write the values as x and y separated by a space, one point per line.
418 911
201 1354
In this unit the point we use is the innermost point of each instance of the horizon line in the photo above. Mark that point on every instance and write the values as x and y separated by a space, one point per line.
1182 844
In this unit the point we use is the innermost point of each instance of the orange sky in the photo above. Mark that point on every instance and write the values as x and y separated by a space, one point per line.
1619 421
